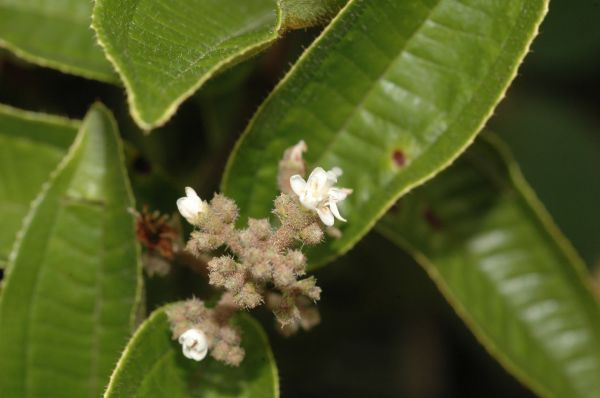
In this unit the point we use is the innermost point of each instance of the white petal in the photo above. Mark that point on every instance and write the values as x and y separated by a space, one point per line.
190 193
338 194
336 212
325 216
194 344
318 183
298 184
190 205
333 174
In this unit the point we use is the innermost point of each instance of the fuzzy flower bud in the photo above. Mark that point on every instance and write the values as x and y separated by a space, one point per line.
291 164
248 297
194 344
191 206
224 208
296 261
312 235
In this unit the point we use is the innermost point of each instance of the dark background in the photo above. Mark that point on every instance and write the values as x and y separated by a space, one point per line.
386 330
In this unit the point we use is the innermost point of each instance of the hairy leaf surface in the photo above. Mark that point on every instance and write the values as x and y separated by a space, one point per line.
31 146
73 279
391 92
165 50
483 237
55 34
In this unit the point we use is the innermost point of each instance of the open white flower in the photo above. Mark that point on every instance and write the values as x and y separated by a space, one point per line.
319 193
194 344
191 206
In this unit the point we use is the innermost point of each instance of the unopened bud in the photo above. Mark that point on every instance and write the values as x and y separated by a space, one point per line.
224 208
312 235
248 297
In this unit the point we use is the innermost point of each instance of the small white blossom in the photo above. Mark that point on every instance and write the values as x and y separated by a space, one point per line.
194 344
319 193
191 206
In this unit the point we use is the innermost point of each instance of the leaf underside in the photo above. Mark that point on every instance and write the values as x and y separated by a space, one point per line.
165 50
55 34
482 236
391 92
31 146
153 366
72 283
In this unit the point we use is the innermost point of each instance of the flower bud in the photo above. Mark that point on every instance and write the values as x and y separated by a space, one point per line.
308 287
261 229
283 276
191 206
312 235
248 297
224 208
296 261
194 344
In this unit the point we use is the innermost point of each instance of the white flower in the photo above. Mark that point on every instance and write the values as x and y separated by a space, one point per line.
191 206
194 344
319 193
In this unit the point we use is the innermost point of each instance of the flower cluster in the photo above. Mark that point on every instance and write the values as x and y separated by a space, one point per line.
200 329
260 264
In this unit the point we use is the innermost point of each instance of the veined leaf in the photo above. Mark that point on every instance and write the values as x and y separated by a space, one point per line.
55 34
153 366
73 279
31 146
491 248
564 188
165 50
392 92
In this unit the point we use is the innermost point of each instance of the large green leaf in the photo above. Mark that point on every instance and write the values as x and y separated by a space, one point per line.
31 146
483 237
560 168
165 50
73 278
55 34
153 366
391 92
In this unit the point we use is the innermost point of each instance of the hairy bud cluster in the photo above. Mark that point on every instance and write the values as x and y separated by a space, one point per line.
212 324
262 258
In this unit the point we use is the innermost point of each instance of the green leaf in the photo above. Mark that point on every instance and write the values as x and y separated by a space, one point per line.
31 146
298 14
392 92
165 50
153 366
491 248
560 168
55 34
73 278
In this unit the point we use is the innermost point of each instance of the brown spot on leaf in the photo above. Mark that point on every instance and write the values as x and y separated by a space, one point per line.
399 158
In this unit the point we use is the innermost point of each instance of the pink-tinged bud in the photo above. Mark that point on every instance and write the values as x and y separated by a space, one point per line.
291 163
308 287
261 229
312 234
222 265
224 208
283 276
234 282
296 261
248 297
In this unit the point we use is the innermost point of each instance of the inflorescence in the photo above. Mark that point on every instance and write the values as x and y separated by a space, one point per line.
260 264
